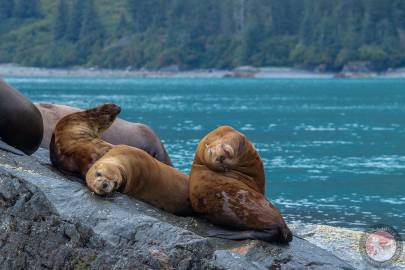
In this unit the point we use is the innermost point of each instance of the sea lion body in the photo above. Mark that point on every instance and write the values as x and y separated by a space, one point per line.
20 121
121 132
227 186
76 142
132 171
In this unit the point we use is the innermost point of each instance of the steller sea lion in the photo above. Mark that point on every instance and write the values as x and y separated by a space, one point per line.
121 132
230 152
132 171
20 122
227 186
76 142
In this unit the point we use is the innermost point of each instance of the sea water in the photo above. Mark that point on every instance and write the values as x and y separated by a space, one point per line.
333 149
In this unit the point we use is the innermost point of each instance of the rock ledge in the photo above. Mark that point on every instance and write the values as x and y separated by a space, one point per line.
48 221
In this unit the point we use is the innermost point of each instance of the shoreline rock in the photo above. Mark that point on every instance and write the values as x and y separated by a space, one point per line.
12 70
342 242
50 221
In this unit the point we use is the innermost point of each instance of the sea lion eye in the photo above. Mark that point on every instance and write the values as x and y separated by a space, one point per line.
98 174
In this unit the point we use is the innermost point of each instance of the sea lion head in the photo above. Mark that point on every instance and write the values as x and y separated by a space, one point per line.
223 152
103 178
103 116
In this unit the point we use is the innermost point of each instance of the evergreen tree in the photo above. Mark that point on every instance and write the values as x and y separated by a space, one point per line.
250 39
122 27
92 31
203 34
142 12
75 20
27 9
61 20
6 8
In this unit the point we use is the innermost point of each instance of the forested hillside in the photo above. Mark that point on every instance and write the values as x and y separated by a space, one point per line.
322 34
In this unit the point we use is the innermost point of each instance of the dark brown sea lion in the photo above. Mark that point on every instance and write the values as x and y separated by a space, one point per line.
132 171
76 142
121 132
227 186
20 122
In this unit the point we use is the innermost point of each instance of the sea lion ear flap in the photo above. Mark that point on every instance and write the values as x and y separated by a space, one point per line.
242 144
199 154
124 177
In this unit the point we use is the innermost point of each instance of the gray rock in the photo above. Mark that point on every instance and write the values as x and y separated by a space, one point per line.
50 221
358 67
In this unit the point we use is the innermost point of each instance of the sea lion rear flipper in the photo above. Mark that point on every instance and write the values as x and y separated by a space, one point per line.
272 235
9 148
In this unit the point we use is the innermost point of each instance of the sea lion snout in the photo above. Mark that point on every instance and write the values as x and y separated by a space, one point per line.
111 108
100 184
103 181
220 156
115 109
104 186
221 159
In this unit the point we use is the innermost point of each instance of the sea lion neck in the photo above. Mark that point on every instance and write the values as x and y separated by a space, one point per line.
240 176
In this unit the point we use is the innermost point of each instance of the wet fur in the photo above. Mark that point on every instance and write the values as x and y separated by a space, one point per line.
76 142
132 171
234 197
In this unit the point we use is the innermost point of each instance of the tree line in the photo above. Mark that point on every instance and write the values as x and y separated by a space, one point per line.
313 34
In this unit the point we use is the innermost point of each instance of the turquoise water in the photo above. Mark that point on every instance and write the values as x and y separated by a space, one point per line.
334 150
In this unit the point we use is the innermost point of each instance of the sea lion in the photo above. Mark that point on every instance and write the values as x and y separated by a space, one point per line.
20 122
229 152
121 132
132 171
227 186
76 142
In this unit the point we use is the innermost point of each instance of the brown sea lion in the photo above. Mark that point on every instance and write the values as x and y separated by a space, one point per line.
228 151
227 186
20 122
76 142
121 132
132 171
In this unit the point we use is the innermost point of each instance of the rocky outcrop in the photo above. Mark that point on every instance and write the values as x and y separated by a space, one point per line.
48 221
358 67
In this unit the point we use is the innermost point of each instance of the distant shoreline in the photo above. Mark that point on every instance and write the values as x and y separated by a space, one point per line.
12 70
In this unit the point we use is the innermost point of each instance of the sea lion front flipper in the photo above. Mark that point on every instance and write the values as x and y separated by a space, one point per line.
9 148
271 235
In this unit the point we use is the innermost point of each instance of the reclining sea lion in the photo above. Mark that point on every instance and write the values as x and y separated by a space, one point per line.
227 186
132 171
76 142
120 132
21 126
